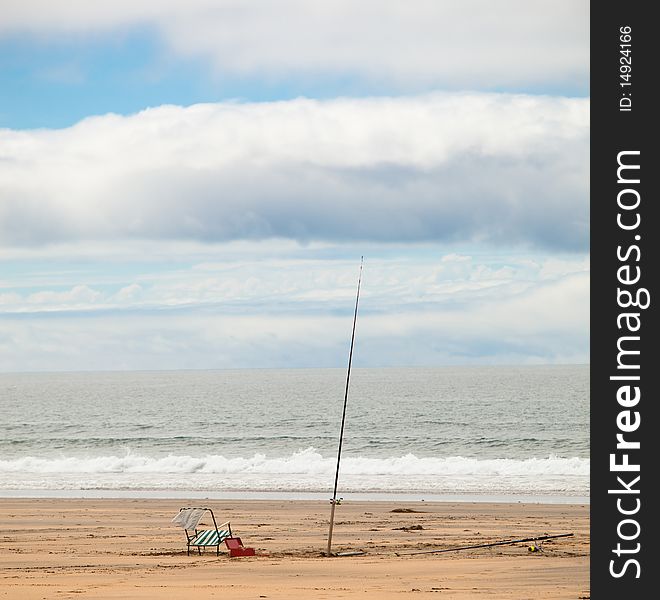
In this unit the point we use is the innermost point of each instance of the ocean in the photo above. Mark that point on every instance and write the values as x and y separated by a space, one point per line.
479 433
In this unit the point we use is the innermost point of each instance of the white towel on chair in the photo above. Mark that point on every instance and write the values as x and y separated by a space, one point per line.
189 517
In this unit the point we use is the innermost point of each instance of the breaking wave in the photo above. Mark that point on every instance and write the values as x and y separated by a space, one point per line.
305 470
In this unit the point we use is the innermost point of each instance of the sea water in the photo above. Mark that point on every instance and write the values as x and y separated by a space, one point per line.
454 432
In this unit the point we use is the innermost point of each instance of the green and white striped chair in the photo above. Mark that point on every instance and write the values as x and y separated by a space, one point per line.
189 519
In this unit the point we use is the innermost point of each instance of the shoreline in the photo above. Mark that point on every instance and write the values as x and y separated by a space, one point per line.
129 548
294 495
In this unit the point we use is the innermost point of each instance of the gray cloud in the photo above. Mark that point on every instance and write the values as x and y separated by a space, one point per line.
489 168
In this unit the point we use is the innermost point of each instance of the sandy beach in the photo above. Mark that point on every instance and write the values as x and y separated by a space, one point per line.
128 548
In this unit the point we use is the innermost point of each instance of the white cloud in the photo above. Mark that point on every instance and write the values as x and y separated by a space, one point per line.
544 324
127 293
472 43
272 311
217 235
10 300
281 280
463 167
80 295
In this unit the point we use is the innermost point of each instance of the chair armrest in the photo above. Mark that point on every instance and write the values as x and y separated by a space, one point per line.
226 525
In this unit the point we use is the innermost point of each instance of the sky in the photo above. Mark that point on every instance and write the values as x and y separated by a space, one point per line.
191 185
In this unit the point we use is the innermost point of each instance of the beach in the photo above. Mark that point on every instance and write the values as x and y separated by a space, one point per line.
129 548
94 466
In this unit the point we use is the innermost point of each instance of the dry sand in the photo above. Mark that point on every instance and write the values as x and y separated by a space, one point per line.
80 548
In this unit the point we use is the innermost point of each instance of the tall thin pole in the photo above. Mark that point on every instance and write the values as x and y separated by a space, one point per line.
333 502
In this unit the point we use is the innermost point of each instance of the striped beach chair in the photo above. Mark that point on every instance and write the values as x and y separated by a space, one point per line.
188 518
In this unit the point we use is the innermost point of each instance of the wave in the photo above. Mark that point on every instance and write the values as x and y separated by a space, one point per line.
307 461
305 470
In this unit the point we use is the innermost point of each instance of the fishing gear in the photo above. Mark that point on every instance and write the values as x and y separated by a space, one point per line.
334 500
501 543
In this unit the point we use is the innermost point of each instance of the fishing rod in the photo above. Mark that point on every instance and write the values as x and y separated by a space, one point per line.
502 543
334 501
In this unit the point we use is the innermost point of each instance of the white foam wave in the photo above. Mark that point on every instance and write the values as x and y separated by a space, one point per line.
305 470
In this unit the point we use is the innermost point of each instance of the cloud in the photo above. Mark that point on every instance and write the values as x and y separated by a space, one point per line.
495 168
128 293
473 43
287 284
9 300
79 295
546 323
286 310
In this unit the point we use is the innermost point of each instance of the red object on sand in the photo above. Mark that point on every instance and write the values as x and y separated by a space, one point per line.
236 547
241 552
